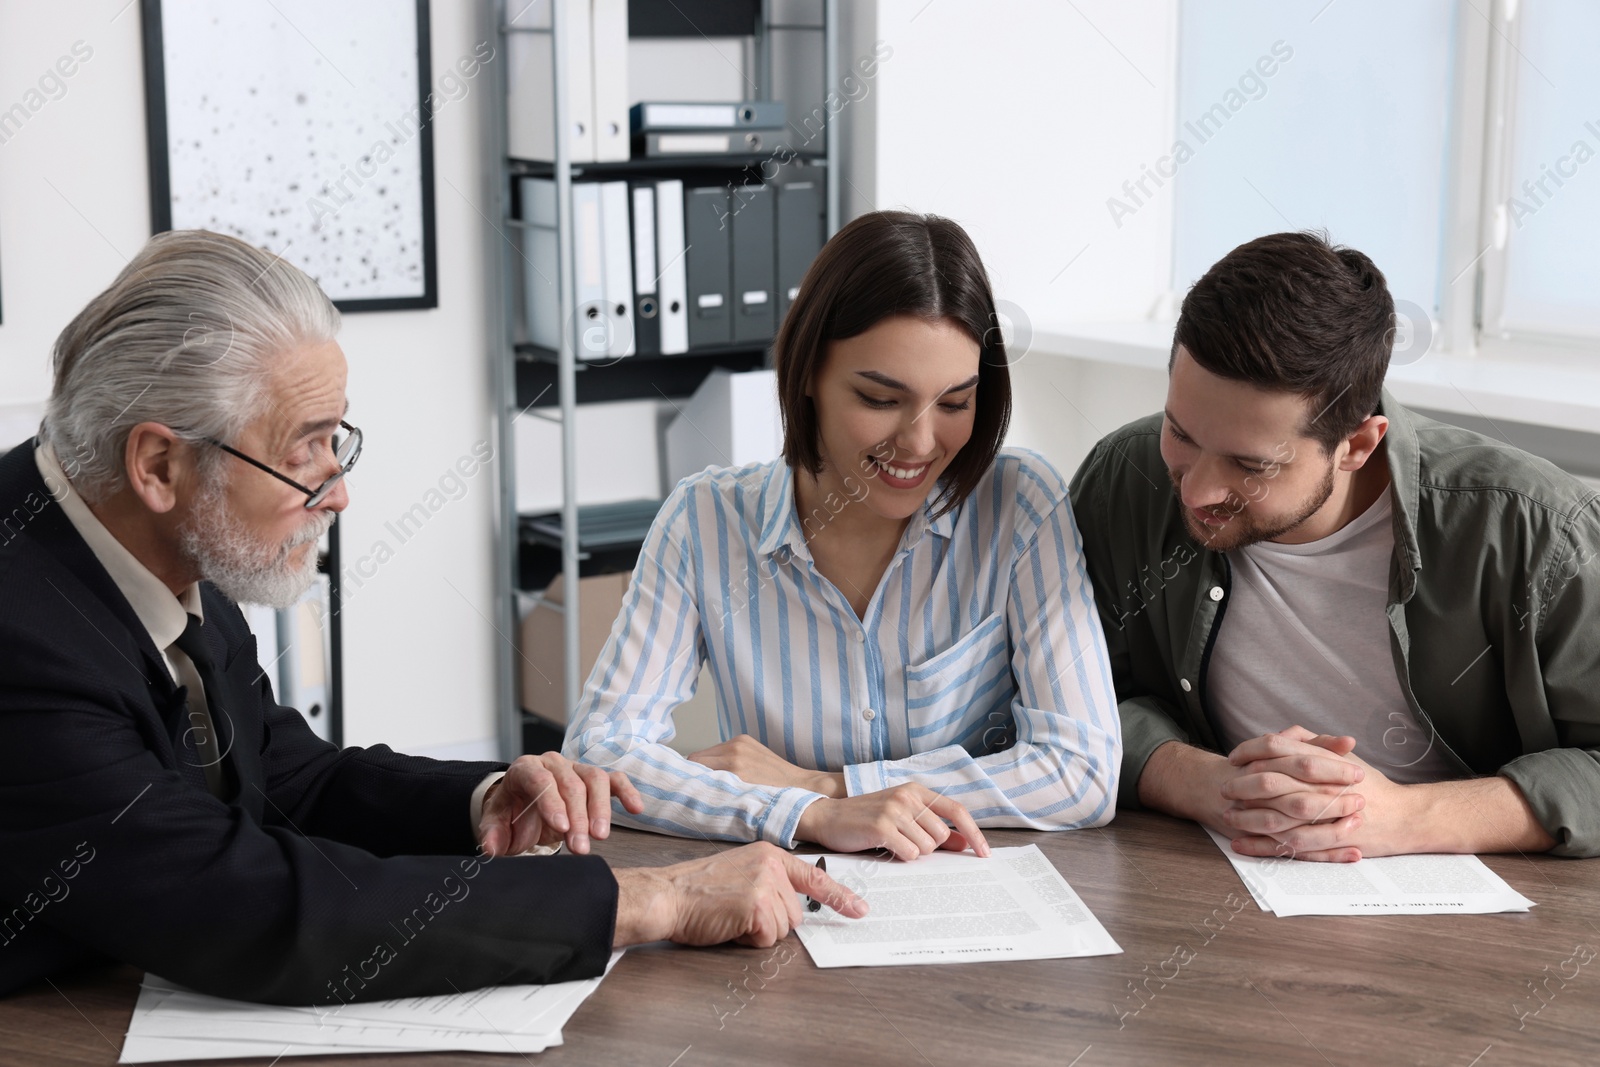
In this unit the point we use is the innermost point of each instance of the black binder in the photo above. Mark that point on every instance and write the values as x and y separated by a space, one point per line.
646 269
754 264
706 231
800 227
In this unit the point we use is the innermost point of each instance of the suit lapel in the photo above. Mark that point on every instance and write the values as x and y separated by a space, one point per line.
84 583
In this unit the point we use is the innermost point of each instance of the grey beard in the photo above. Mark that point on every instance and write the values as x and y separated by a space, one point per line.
245 568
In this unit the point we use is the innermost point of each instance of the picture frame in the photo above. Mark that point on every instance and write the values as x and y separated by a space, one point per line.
304 129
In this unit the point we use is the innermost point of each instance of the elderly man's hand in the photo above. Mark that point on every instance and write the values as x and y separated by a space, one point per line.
547 798
745 894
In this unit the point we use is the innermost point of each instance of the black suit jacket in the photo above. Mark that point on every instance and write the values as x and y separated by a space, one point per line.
333 875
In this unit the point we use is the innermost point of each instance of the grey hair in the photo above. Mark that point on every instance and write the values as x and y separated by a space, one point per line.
185 336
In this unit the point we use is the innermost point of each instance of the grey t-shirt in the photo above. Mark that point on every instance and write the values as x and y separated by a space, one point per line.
1305 640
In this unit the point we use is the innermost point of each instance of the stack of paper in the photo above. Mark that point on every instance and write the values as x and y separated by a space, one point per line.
173 1023
1382 886
951 907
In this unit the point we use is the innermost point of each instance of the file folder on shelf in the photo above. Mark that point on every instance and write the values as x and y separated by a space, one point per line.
610 38
651 117
754 263
673 270
706 232
800 226
541 261
616 271
590 340
530 81
711 142
646 275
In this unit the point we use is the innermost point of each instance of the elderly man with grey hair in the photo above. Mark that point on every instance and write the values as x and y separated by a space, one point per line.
161 808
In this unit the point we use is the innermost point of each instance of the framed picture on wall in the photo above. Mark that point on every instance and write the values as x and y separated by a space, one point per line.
300 126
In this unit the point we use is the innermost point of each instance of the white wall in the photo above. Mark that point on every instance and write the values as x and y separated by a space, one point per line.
74 205
74 200
1019 121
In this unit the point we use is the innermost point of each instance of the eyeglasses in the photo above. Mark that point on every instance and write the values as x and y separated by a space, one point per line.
345 451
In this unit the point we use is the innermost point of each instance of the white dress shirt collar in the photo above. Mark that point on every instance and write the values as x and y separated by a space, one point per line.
162 614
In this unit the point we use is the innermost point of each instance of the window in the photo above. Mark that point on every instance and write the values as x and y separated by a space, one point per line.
1310 115
1543 273
1457 142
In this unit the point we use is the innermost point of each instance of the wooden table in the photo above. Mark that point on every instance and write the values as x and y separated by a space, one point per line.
1205 977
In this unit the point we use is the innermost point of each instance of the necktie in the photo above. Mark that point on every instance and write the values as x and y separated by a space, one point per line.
204 714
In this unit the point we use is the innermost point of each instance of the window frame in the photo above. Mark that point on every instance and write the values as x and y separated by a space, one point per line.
1495 339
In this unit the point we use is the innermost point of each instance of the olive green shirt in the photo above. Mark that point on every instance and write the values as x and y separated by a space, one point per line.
1494 609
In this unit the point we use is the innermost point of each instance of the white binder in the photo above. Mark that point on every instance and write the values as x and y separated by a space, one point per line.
542 299
530 82
645 271
617 269
674 282
610 63
588 269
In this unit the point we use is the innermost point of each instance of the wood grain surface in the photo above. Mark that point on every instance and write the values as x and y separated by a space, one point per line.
1205 977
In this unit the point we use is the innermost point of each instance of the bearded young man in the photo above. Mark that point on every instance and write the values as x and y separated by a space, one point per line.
161 808
1387 623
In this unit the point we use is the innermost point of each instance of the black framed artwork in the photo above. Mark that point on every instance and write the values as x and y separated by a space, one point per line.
302 127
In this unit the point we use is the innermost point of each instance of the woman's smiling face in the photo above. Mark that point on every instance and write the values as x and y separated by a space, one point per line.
894 405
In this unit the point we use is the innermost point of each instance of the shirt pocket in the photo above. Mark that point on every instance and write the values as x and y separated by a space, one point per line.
950 694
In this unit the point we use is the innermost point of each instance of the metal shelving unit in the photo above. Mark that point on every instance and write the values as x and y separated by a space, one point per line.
524 378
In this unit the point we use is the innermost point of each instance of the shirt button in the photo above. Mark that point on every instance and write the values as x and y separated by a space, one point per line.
869 715
861 636
1216 592
1183 683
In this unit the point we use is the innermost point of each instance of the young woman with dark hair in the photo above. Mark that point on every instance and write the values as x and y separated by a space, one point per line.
896 617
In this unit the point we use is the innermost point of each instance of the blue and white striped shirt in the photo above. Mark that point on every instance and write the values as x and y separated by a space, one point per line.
979 671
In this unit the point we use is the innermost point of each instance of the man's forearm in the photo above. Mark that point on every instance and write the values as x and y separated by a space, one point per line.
1477 815
1185 781
646 906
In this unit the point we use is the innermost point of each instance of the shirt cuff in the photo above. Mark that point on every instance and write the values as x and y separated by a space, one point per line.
782 818
1560 784
1144 729
863 778
476 807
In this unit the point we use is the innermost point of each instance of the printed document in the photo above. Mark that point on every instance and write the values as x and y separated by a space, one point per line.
953 907
1385 885
173 1023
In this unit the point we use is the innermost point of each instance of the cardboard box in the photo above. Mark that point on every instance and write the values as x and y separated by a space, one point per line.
540 670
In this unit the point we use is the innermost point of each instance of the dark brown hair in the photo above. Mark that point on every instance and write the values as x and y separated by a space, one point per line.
1294 313
883 264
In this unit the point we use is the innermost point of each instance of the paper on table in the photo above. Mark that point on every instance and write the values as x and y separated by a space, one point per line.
136 1049
1386 885
176 1018
952 907
170 1022
527 1009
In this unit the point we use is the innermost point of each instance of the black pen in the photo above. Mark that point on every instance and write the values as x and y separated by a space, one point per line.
812 903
